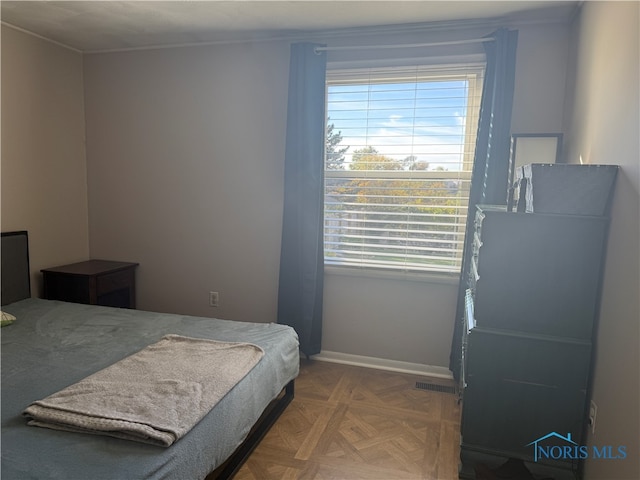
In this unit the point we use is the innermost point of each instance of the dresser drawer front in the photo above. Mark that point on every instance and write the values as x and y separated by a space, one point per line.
556 364
538 273
506 416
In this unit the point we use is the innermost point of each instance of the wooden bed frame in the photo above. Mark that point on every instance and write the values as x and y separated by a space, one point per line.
273 411
16 285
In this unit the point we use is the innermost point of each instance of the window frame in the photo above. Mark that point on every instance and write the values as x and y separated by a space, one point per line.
473 72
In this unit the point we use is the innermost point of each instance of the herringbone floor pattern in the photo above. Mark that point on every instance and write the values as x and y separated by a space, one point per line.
350 423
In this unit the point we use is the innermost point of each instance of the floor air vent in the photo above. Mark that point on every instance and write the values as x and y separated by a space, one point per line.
434 387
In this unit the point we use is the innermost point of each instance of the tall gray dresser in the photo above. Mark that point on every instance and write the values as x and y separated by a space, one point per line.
532 303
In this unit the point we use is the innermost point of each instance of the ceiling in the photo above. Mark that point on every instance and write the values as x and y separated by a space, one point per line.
92 26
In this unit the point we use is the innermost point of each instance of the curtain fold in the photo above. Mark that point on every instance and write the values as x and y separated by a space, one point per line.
301 280
490 174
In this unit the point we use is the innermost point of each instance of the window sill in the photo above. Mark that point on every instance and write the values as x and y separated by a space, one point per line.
426 277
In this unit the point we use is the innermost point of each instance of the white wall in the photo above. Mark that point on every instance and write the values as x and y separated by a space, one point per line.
602 121
185 155
541 69
44 177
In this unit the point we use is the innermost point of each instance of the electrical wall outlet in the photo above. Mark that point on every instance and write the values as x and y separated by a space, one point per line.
214 299
593 413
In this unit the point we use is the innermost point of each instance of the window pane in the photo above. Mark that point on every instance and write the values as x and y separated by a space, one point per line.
398 166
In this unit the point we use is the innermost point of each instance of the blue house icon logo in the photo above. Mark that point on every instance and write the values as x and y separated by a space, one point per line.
545 451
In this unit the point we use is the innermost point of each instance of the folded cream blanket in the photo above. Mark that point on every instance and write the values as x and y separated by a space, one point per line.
155 395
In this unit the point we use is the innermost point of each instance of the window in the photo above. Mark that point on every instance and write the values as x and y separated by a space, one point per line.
399 153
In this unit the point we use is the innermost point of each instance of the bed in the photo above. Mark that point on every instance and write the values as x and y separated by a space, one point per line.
54 344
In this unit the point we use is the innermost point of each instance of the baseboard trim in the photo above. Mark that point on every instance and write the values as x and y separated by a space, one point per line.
383 364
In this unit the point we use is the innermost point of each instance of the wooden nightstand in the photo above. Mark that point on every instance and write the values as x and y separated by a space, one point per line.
94 282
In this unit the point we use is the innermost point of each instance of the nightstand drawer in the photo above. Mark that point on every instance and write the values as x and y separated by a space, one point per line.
114 281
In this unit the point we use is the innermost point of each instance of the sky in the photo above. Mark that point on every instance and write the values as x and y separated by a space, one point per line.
423 119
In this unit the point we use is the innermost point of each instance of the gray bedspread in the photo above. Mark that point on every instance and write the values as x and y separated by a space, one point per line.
55 344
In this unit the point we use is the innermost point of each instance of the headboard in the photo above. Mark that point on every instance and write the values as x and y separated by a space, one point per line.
16 281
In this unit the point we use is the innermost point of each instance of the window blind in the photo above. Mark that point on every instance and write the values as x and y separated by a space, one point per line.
398 160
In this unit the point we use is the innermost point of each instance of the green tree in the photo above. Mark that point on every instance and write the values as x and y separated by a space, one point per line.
414 164
368 158
334 155
429 201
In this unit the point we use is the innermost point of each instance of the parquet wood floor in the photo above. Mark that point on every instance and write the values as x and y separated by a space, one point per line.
352 423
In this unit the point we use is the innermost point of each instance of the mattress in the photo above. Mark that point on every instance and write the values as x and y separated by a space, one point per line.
54 344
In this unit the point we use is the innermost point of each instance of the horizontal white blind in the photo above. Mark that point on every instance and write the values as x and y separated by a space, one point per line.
398 161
